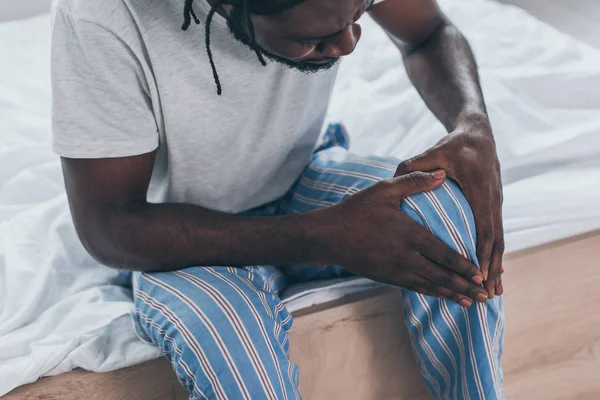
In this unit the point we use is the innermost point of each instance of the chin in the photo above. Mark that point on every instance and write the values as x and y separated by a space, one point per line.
322 61
308 67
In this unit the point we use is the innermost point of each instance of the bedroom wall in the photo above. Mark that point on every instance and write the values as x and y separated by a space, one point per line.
575 17
578 18
17 9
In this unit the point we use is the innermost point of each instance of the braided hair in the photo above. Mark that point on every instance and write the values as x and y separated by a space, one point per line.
248 7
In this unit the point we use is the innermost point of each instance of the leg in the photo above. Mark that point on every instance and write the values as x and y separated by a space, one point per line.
223 329
458 349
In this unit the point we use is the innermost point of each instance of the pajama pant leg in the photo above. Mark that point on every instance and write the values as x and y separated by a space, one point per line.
458 350
223 329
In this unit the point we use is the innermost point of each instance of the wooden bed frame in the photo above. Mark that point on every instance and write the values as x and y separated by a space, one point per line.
358 348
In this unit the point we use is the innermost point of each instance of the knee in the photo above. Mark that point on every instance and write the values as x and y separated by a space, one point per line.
445 212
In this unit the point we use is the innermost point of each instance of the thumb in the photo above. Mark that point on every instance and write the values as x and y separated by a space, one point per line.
415 182
426 161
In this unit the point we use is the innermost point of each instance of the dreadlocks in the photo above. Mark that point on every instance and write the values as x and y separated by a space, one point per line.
248 7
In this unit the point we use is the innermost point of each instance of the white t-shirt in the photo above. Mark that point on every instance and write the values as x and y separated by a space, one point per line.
127 80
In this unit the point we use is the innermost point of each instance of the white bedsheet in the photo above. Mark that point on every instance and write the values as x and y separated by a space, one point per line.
60 310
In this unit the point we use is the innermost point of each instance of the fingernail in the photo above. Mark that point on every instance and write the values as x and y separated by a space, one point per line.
500 290
477 279
465 303
482 298
439 174
485 275
492 290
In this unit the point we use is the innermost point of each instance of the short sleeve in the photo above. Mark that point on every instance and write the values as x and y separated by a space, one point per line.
101 105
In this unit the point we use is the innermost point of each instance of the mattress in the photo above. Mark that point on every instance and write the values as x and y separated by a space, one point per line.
60 310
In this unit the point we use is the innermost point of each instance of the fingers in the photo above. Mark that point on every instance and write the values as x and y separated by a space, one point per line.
484 224
494 281
437 251
440 276
430 289
412 183
499 286
426 161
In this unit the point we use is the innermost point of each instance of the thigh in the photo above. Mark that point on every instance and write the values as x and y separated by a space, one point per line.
333 174
223 329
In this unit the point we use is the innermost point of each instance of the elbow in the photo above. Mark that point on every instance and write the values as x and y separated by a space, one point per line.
105 239
98 245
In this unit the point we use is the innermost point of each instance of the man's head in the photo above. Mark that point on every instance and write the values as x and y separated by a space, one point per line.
308 35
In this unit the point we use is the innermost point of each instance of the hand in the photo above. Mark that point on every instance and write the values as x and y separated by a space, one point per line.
371 237
468 155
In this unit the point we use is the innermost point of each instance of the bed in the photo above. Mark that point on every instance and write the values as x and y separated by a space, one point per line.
59 310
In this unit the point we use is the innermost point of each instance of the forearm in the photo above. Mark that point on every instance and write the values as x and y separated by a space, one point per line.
160 237
444 72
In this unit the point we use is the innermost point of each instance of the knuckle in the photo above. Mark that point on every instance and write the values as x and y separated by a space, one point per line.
447 280
494 273
469 153
451 259
431 271
456 298
500 246
418 178
471 291
431 288
404 262
405 165
485 259
486 234
469 272
419 237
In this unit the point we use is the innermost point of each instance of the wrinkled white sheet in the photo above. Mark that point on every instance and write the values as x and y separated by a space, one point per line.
60 310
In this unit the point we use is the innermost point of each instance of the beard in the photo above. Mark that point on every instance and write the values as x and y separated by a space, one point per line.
235 25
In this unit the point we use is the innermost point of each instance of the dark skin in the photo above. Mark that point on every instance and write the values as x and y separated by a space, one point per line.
441 66
367 233
443 70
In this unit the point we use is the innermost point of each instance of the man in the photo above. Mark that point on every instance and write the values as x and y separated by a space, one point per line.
189 157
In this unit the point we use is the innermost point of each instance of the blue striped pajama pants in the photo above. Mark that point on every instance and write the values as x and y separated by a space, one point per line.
225 329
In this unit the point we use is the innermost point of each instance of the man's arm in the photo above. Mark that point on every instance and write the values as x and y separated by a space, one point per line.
120 228
366 233
440 63
437 57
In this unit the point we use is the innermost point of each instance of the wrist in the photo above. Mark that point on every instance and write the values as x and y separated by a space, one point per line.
319 236
470 120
